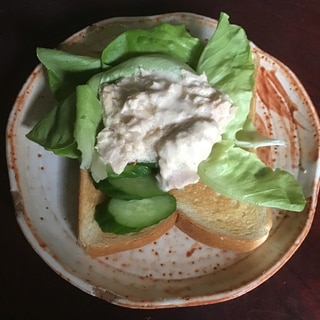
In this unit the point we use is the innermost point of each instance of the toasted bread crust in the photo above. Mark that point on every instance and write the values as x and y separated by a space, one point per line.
216 240
221 222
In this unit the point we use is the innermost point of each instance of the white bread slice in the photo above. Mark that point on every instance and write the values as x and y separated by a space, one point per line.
221 222
98 243
204 215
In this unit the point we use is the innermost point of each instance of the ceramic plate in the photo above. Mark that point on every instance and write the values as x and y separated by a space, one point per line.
175 270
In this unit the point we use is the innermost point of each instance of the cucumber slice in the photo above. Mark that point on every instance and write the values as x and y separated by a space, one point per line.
125 216
138 188
111 191
138 169
107 222
130 188
137 181
143 212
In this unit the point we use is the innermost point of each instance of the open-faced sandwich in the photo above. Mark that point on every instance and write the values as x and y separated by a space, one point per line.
161 124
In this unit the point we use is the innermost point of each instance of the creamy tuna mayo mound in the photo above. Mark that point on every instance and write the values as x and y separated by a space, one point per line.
171 119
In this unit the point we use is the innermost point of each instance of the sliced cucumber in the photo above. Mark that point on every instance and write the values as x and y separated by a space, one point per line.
136 200
124 216
130 188
138 169
107 222
137 181
111 191
138 188
143 212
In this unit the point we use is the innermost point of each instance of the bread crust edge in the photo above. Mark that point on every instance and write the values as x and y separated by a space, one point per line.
201 234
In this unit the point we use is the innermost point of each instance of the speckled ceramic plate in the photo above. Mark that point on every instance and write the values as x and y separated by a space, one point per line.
175 270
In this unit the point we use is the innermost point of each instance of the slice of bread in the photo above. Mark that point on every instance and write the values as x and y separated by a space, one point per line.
221 222
204 215
98 243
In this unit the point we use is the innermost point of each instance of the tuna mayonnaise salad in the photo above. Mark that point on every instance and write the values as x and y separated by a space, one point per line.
173 120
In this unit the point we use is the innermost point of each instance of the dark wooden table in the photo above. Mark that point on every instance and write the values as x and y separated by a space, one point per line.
29 289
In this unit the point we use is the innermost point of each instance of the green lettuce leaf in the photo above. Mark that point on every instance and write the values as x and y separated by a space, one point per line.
133 66
87 120
55 131
241 175
66 70
164 38
227 62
